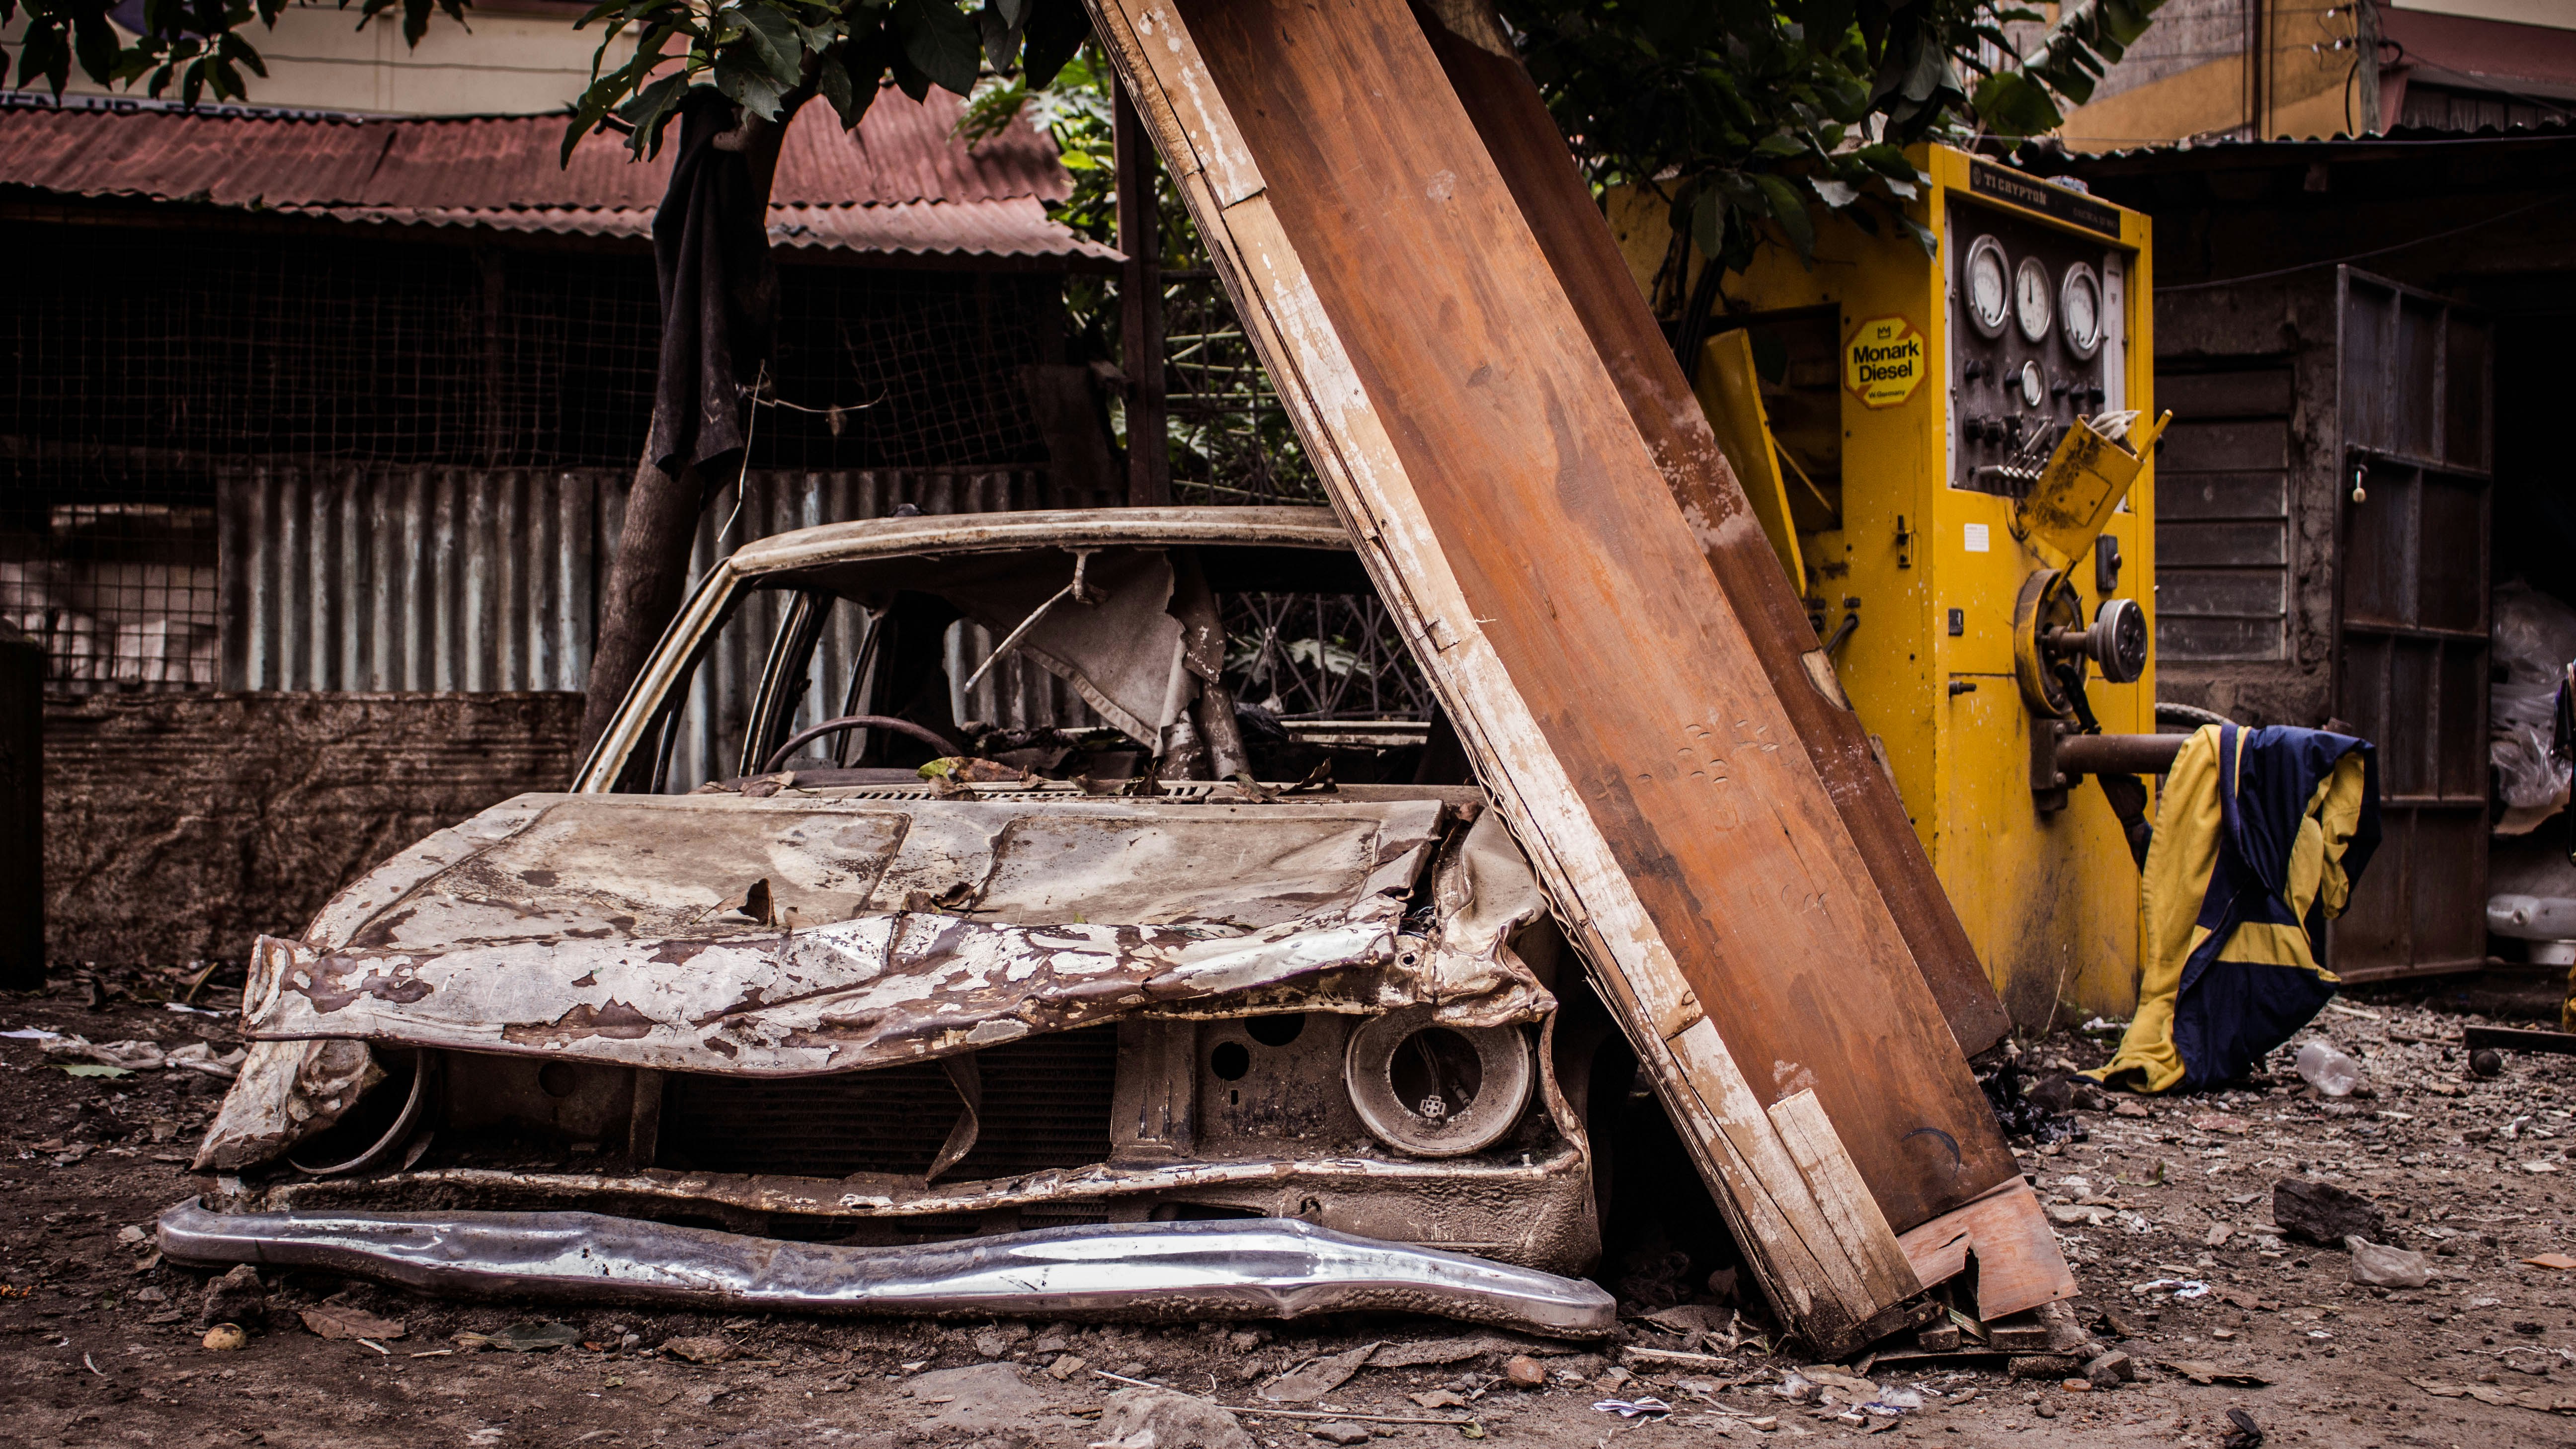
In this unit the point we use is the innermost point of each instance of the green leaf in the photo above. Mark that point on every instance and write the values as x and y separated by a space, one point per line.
940 42
770 40
2012 104
1001 35
745 80
1922 234
832 83
95 42
1790 210
1054 32
1708 223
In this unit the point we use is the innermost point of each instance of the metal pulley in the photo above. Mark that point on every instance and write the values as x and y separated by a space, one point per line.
2049 630
2117 642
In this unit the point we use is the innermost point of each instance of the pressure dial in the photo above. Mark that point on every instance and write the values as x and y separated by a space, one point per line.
2079 301
2033 299
1988 285
2030 384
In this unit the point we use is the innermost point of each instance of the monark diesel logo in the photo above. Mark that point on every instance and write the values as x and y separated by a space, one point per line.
1883 362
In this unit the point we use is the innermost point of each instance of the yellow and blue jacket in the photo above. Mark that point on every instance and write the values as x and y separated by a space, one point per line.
2259 838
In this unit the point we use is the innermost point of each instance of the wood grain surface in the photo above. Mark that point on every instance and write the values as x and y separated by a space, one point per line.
1532 158
1590 584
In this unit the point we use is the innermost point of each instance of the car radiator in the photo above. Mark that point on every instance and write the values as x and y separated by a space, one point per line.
1046 1103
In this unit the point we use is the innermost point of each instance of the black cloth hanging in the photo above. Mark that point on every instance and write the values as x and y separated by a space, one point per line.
719 294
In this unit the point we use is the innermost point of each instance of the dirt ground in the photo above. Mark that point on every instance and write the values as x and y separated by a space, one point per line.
100 1342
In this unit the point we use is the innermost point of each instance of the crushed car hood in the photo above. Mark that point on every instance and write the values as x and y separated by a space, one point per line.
610 928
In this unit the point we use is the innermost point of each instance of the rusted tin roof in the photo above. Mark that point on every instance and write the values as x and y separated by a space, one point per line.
902 183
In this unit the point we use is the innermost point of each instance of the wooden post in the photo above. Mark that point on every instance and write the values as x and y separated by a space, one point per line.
1140 308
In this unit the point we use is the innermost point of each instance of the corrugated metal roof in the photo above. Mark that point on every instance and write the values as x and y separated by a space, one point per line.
1016 227
901 182
2049 157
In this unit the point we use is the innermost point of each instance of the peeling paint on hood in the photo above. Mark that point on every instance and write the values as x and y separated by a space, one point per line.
608 929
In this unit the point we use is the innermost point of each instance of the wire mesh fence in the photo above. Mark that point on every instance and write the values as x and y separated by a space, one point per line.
1230 438
155 370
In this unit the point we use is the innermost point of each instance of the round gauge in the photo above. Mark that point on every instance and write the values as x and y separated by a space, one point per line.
1988 286
2033 386
2033 299
2079 301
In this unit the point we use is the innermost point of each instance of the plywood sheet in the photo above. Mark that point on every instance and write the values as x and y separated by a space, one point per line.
1519 521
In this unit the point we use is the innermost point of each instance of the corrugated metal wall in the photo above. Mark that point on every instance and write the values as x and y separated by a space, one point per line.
394 579
401 579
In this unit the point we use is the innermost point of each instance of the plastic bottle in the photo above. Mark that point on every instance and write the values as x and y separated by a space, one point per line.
2329 1071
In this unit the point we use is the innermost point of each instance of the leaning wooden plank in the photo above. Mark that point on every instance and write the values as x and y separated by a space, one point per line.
1536 164
1520 527
1787 1240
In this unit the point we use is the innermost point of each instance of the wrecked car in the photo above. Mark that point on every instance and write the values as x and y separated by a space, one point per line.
827 986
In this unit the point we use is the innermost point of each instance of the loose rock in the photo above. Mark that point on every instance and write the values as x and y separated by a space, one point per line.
2377 1266
1523 1372
1314 1380
2111 1369
225 1337
2323 1213
235 1298
1155 1419
1342 1431
704 1349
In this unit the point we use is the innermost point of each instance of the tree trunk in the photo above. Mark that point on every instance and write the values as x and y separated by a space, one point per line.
644 585
651 569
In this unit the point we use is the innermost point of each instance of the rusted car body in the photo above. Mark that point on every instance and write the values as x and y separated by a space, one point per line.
1034 1037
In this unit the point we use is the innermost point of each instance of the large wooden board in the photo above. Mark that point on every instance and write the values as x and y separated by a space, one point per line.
1532 158
1518 521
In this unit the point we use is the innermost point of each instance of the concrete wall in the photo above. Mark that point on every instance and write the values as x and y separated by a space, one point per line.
520 57
179 826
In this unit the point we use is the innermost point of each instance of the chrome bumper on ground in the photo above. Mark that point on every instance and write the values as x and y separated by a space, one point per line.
1250 1268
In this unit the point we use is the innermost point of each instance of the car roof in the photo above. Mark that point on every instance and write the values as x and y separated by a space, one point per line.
943 533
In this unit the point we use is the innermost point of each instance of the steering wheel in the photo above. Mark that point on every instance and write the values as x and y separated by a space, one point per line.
847 722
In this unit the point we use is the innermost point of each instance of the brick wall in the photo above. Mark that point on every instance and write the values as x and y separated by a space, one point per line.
179 826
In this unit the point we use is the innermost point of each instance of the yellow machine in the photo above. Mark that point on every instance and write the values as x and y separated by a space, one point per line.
1978 558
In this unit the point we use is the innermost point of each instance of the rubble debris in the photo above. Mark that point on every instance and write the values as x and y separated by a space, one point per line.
979 1402
333 1320
2042 1366
1159 1419
138 1055
2203 1371
2041 1114
702 1349
2518 1039
2333 1074
2244 1433
2559 1261
1423 1352
2377 1266
2324 1214
523 1338
1317 1377
1631 1408
234 1298
2111 1369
